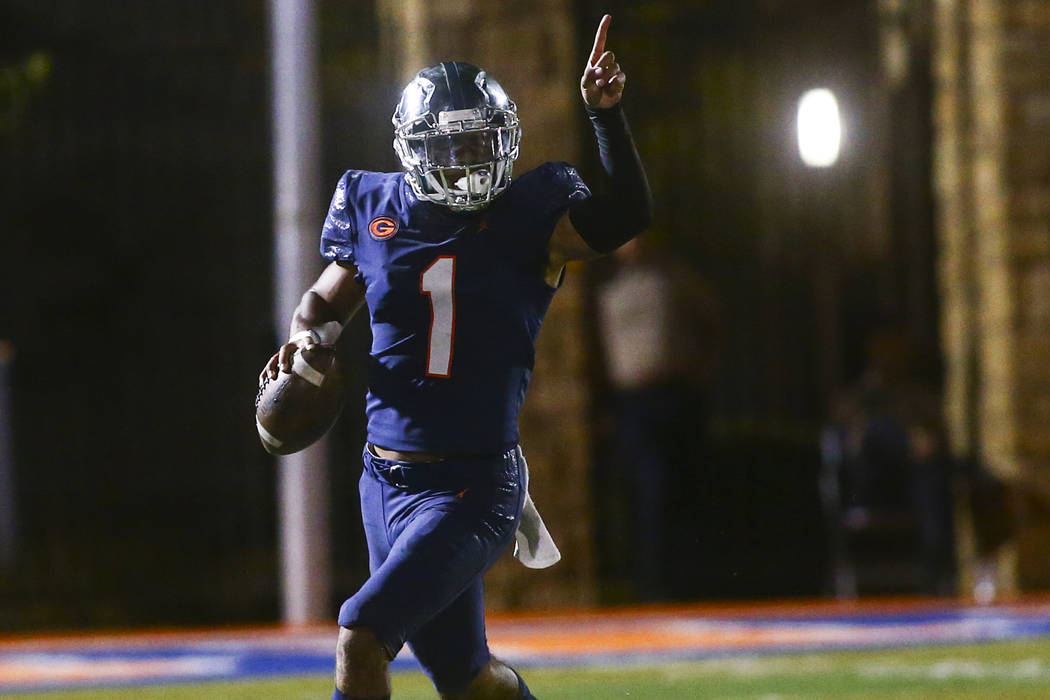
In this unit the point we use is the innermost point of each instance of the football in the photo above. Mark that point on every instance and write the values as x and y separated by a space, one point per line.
294 410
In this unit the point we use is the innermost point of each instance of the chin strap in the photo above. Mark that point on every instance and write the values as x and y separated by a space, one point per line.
482 184
474 182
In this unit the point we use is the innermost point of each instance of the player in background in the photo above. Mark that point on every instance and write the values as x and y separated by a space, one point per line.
457 264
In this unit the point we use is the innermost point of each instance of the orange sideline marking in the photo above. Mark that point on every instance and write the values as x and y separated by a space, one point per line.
514 626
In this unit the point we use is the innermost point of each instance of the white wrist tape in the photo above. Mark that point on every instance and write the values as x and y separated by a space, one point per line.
308 333
325 334
301 367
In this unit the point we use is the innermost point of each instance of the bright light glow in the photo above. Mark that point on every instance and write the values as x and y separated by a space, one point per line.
819 128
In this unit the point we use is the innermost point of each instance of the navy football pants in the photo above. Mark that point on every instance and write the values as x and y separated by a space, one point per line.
433 529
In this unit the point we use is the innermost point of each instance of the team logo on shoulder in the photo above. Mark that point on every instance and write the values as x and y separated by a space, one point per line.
382 227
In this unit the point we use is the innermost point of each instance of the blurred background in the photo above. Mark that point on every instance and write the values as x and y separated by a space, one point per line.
829 366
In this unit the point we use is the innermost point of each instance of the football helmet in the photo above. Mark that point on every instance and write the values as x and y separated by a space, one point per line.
457 134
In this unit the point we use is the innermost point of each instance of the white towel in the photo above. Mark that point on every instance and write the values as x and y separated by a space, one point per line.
533 545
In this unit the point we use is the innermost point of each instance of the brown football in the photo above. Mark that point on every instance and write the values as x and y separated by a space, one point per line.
294 410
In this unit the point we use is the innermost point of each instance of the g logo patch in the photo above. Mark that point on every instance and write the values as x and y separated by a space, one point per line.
382 227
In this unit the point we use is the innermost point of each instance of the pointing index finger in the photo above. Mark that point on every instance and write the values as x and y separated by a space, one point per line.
599 39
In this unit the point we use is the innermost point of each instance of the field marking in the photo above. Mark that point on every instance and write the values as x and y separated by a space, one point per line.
745 645
1032 669
73 669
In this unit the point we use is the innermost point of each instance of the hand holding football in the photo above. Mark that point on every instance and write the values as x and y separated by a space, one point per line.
293 410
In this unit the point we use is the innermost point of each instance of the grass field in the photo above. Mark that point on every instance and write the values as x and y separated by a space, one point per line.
1001 670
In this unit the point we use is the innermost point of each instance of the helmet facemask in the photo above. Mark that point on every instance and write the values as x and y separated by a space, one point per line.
460 158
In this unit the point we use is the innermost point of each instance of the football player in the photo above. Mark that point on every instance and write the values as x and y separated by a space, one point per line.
457 263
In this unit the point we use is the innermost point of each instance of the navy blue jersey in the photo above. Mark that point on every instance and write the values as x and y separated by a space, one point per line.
455 301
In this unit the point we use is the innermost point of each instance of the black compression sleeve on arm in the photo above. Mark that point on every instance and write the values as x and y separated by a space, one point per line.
624 207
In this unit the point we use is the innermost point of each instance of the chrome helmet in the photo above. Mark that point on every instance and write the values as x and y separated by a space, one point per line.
457 134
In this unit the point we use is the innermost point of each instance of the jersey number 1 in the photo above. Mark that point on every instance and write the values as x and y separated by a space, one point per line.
438 282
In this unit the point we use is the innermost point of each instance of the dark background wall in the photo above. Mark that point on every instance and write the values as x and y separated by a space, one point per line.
135 275
804 265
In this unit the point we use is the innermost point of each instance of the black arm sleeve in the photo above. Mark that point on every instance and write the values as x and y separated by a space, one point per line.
623 208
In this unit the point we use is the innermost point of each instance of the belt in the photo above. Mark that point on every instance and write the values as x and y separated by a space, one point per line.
443 473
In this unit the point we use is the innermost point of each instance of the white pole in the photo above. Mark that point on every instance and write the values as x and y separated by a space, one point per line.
302 482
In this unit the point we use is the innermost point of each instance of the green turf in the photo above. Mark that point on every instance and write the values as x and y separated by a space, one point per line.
1004 671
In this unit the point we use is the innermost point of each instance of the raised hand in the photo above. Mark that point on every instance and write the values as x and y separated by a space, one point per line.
602 82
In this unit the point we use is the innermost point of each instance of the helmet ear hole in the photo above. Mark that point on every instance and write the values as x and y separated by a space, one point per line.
456 134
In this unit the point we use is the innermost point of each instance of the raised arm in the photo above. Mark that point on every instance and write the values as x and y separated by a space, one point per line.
319 319
602 82
622 206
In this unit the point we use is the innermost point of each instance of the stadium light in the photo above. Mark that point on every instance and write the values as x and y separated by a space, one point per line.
819 128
